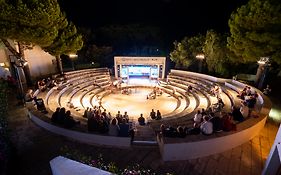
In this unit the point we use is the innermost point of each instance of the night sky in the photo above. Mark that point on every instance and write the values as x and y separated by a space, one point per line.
176 17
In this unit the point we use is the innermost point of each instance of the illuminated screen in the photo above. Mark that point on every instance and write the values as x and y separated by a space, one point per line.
138 70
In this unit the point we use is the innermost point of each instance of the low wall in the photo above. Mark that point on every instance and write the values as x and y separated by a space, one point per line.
93 139
64 166
208 146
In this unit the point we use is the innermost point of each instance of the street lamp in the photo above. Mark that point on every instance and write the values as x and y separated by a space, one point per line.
264 63
200 57
72 57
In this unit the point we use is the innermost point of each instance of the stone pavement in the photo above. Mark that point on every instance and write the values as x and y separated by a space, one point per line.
35 147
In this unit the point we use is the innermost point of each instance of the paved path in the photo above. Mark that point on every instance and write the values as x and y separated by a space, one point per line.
35 147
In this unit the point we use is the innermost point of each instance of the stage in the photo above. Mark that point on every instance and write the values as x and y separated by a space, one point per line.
136 103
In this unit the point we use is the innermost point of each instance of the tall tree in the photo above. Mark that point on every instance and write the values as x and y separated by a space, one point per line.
184 52
216 53
256 31
68 41
29 22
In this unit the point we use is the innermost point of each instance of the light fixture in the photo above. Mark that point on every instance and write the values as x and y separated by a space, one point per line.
200 56
263 60
73 55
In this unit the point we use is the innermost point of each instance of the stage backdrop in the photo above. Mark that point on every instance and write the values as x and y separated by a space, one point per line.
150 67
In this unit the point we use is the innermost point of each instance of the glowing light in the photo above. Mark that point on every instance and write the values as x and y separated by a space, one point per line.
73 55
200 56
2 64
275 114
263 60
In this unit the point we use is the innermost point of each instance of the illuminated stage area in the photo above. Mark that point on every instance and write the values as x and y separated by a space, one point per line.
136 103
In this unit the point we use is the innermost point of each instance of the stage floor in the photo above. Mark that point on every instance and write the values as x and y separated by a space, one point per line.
137 103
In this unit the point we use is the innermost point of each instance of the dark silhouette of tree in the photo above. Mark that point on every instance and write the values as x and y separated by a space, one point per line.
185 51
256 31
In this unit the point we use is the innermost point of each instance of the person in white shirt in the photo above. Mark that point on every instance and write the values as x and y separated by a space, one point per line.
244 109
198 117
207 126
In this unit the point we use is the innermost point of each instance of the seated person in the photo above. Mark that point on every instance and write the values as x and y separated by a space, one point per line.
61 116
141 120
216 91
236 114
227 123
102 126
217 124
55 115
162 129
244 109
29 96
153 114
119 117
70 104
158 115
124 129
40 105
113 128
189 89
41 85
180 132
219 105
170 132
207 126
69 122
126 116
195 129
198 117
50 83
251 101
267 90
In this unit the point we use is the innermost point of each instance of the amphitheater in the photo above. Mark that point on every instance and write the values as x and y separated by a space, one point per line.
91 87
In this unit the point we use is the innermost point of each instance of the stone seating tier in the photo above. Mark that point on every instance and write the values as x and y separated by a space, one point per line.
191 146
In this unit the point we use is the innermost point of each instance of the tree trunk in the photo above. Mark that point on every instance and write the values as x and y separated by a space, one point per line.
25 67
11 49
59 65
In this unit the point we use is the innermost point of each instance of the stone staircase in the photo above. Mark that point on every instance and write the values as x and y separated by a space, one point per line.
144 136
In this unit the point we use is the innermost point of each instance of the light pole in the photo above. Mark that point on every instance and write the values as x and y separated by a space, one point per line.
200 57
72 57
264 64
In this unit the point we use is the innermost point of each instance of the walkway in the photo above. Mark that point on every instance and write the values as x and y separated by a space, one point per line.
36 147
